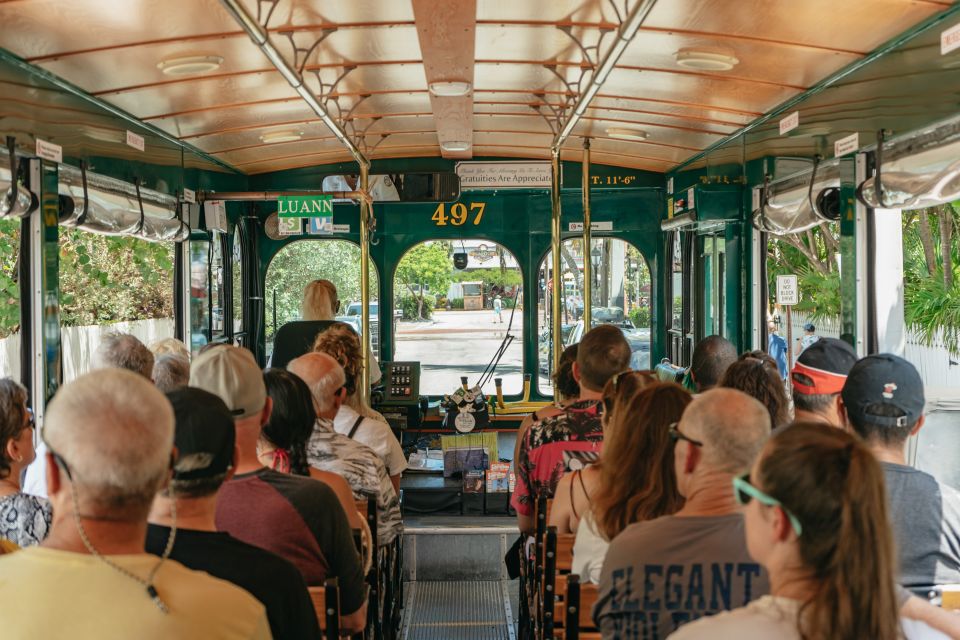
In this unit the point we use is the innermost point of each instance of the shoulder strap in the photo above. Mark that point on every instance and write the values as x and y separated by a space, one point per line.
356 425
584 487
573 502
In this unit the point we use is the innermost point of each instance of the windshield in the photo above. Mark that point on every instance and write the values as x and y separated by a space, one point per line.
354 309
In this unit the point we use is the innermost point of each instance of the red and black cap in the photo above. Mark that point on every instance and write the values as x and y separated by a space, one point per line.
822 368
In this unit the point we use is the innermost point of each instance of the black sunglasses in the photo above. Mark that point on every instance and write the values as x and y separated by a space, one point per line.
676 435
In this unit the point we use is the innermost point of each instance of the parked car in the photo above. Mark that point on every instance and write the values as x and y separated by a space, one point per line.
544 346
639 339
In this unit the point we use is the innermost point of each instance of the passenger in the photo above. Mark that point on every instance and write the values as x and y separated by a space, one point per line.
124 351
545 451
883 402
354 419
566 391
171 371
814 500
637 481
572 496
330 451
711 357
24 519
7 547
817 379
808 338
283 440
320 302
660 574
777 349
169 346
759 379
314 535
206 457
110 437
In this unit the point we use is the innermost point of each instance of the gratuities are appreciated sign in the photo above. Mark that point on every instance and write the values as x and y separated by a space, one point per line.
503 175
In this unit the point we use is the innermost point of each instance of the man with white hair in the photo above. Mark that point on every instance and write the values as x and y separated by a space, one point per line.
330 451
662 573
297 518
110 447
124 351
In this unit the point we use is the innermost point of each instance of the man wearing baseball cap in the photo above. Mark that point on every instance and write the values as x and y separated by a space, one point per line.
204 438
817 379
882 400
295 517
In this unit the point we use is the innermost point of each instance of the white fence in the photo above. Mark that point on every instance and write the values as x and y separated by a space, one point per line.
79 344
933 361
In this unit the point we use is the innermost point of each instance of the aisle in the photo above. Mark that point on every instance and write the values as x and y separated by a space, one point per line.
475 610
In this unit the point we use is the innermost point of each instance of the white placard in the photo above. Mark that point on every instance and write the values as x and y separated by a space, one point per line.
843 146
289 226
670 186
690 196
215 212
595 225
950 39
135 141
790 123
787 292
503 175
49 151
189 195
341 228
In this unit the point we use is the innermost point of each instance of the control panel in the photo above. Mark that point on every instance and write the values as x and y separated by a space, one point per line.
401 382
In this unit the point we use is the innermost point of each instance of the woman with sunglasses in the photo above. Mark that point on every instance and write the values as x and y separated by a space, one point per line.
636 480
571 499
24 519
816 514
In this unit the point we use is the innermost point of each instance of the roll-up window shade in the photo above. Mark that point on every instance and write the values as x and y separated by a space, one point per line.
11 207
917 170
111 207
791 206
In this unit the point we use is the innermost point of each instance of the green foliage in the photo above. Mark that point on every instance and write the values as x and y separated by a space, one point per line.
640 317
456 303
9 286
299 263
491 276
410 306
819 282
427 264
106 279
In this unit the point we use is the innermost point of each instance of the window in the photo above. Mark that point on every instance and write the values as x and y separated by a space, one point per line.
620 292
199 294
10 359
110 283
236 265
217 296
712 267
303 261
450 321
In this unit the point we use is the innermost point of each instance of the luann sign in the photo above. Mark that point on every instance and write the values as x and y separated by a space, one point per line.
304 206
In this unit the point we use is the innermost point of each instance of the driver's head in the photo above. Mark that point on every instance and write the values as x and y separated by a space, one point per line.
603 352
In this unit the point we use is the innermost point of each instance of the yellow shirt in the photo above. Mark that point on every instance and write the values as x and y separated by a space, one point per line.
45 593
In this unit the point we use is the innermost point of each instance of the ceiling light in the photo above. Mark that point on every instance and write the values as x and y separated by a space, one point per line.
706 60
190 65
281 136
455 145
450 89
627 134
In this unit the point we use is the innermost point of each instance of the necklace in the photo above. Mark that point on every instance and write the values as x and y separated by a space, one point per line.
146 582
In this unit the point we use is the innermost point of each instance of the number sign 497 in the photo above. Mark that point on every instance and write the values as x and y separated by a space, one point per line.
458 213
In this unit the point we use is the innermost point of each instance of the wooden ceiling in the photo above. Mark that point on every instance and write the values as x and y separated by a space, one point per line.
526 60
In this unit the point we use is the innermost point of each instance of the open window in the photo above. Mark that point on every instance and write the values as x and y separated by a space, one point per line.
10 358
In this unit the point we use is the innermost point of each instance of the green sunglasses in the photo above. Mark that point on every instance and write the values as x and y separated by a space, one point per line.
744 492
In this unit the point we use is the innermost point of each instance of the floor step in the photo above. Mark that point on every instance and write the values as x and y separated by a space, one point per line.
455 549
460 610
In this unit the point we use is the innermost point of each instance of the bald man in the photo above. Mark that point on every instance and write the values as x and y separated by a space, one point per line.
110 445
330 451
662 573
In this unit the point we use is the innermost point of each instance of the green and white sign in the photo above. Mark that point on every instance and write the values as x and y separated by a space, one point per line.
304 206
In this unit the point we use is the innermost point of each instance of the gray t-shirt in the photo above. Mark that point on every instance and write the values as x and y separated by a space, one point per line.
663 573
926 525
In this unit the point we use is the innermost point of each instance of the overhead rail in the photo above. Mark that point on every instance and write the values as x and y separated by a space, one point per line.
107 206
916 170
262 196
800 201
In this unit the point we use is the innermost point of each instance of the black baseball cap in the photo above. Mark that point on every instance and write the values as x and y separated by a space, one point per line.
809 327
883 379
204 434
822 368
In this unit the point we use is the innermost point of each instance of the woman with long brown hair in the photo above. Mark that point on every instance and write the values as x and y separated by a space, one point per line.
759 378
636 479
816 519
571 499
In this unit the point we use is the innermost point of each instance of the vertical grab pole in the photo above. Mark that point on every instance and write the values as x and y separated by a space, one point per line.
365 213
555 239
587 265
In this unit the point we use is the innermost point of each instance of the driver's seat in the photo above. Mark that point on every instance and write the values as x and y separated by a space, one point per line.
295 339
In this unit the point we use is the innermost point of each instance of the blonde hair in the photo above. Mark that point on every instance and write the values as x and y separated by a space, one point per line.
319 300
170 346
